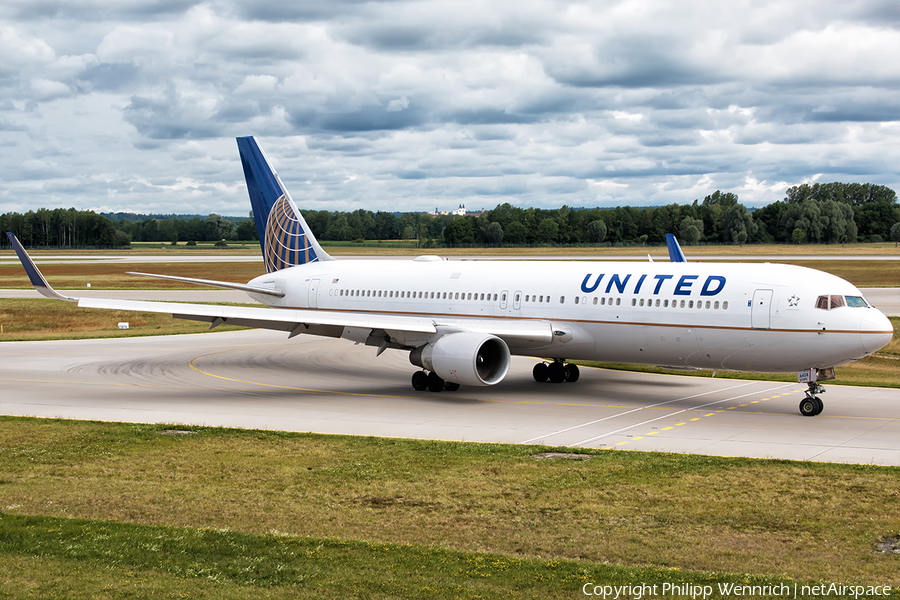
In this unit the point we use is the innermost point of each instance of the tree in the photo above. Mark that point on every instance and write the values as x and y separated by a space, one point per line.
807 217
459 231
690 230
839 222
547 231
797 236
596 231
516 233
895 233
494 234
246 230
737 224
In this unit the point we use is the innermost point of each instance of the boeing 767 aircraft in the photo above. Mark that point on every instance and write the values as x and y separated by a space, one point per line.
461 321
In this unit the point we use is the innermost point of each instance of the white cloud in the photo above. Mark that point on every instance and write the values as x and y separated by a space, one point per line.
46 89
132 105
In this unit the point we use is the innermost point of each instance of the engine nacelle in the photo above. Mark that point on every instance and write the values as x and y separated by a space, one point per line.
465 357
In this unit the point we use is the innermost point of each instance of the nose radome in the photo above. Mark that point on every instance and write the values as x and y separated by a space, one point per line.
876 331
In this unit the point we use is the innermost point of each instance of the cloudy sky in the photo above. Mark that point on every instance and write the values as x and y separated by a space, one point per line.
133 105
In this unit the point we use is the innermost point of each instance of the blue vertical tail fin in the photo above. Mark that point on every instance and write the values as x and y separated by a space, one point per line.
284 236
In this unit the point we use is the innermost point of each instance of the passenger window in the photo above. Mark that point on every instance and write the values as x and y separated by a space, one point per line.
618 301
642 302
682 304
725 305
657 303
562 299
716 305
634 302
666 303
603 301
576 299
595 300
837 301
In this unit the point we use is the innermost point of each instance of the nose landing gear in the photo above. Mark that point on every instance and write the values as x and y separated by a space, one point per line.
812 405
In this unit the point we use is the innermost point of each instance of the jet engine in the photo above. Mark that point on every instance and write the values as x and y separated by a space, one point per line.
465 357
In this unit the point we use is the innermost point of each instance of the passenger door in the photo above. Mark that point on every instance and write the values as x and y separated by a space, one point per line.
761 309
314 293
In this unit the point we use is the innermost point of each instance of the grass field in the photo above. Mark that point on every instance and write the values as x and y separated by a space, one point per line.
106 510
26 319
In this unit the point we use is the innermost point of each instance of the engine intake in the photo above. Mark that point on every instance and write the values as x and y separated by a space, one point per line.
465 357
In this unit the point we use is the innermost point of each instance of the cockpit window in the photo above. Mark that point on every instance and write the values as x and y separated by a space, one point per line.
831 302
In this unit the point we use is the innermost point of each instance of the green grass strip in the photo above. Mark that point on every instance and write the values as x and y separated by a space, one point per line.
328 568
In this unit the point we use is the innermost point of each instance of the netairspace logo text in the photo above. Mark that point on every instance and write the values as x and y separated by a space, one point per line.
731 590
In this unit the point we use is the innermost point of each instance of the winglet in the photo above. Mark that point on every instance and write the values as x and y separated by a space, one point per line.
675 253
36 277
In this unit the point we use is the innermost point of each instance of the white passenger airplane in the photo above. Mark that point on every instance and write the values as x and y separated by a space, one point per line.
461 320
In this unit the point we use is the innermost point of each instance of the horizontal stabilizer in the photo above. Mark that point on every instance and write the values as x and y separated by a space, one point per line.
220 284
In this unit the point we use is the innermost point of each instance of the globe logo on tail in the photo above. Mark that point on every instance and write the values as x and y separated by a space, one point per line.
286 241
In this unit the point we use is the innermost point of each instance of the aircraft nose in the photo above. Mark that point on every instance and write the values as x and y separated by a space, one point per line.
876 331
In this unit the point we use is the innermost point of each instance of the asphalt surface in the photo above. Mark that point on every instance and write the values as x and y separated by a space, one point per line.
259 379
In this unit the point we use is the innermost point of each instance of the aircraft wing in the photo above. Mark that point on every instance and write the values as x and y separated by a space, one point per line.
520 333
280 319
324 322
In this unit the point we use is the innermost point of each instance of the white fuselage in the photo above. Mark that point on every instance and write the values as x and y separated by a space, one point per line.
746 317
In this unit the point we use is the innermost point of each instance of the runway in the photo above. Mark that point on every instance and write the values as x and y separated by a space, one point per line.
259 379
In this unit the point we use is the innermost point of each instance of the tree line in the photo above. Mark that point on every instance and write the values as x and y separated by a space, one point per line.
819 213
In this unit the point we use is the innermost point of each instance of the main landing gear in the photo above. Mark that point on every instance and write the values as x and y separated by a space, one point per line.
432 382
555 372
812 405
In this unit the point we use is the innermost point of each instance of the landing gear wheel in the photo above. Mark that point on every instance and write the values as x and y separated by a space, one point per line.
451 386
812 405
820 406
419 381
540 372
809 406
556 372
435 383
572 373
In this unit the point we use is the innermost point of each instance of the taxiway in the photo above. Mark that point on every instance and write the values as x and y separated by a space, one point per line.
259 379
